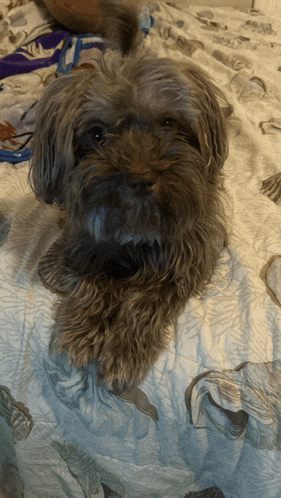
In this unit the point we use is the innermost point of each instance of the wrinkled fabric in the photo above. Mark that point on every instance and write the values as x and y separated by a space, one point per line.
208 415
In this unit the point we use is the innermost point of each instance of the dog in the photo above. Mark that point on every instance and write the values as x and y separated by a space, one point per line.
131 154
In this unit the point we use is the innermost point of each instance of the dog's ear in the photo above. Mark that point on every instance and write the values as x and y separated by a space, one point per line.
52 147
211 122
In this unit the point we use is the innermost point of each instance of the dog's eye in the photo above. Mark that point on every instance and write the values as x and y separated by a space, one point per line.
184 132
169 123
98 133
87 142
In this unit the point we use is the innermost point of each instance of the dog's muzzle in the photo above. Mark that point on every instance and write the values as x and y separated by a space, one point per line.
121 209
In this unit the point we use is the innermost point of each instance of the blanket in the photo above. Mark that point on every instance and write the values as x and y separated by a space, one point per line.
206 421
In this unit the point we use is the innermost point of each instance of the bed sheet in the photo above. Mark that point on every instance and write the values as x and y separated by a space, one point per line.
206 421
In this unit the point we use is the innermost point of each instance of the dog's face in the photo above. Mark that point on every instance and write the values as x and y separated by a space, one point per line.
133 153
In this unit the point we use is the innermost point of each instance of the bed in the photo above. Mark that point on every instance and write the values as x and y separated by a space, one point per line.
206 422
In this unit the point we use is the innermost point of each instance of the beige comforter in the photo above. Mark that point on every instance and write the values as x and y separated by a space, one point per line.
209 413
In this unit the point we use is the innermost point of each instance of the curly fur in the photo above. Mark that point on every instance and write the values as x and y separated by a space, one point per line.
132 154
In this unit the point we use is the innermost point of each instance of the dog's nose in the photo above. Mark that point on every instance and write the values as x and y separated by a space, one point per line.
129 185
140 186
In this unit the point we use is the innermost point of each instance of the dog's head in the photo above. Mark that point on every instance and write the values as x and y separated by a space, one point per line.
133 152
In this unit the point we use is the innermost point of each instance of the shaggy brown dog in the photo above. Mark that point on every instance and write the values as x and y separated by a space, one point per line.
132 155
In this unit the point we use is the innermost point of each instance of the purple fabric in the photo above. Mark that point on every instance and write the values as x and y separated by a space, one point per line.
17 63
